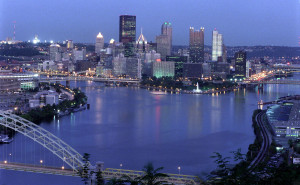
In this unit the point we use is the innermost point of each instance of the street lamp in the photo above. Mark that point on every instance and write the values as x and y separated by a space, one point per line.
179 169
5 162
62 167
41 161
121 165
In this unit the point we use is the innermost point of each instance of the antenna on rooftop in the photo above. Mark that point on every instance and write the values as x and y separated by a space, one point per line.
14 22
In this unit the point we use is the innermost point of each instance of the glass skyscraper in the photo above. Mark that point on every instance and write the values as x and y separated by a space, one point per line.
127 33
240 64
217 45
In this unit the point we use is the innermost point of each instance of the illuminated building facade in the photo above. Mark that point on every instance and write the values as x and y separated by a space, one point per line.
127 33
99 43
248 69
17 81
70 44
142 44
196 45
217 45
161 69
54 52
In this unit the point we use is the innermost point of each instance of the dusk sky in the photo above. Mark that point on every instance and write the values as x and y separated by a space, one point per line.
242 22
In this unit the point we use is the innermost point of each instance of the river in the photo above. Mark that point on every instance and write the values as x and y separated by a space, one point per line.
132 126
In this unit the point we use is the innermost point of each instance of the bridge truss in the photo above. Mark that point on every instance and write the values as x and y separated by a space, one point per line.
44 138
67 154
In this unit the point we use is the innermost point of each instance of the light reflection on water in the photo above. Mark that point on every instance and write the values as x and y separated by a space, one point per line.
132 126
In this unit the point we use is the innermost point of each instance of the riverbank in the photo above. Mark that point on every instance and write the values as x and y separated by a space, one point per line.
47 113
171 85
178 91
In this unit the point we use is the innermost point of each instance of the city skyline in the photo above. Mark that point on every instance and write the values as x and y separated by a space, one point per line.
238 21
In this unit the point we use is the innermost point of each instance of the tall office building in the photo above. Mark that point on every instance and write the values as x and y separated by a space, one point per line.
166 29
240 64
162 46
217 45
196 45
99 43
127 33
133 67
141 44
119 65
54 52
248 68
164 41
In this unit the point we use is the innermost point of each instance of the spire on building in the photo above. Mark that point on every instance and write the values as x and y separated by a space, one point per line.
141 38
99 35
112 41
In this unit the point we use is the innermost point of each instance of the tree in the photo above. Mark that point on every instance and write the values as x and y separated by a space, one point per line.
132 181
84 172
240 174
115 181
152 176
99 178
222 165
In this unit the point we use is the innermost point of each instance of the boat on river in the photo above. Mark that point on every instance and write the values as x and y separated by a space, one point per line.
158 92
5 139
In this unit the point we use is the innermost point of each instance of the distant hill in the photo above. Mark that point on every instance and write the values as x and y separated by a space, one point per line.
256 51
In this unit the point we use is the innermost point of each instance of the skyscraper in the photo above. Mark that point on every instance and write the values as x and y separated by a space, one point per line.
133 67
54 52
217 45
164 41
99 43
127 33
240 64
141 44
166 29
196 45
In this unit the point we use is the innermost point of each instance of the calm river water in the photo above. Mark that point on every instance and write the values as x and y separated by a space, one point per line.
132 126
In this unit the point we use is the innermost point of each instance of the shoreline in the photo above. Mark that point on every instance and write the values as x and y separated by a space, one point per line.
209 92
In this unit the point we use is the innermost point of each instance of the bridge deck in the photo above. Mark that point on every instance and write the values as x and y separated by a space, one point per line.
108 173
37 169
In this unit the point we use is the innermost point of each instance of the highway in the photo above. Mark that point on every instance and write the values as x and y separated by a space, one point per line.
265 144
